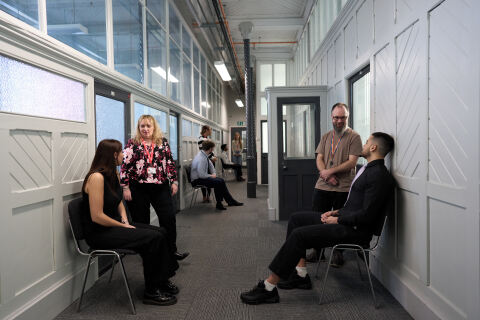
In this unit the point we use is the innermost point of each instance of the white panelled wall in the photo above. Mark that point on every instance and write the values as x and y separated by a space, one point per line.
424 65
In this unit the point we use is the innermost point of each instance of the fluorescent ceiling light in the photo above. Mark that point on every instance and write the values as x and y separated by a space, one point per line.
239 103
206 105
222 69
61 29
161 72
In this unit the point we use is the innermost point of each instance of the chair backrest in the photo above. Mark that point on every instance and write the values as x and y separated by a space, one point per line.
388 207
75 208
188 171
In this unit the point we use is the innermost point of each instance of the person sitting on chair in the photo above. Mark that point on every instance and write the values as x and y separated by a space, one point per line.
362 214
106 225
230 165
203 173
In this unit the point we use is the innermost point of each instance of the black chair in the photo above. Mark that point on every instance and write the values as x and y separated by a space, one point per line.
75 208
196 187
226 170
357 249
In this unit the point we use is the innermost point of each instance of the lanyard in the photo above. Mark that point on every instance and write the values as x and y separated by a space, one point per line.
332 150
148 153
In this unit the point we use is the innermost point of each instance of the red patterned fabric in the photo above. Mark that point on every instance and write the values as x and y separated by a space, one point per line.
135 164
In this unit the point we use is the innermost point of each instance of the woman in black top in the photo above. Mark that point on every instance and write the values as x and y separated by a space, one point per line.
106 225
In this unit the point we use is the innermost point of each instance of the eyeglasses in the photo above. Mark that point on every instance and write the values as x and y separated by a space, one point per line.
340 118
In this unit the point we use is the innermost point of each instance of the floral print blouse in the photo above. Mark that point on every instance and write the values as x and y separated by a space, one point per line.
135 164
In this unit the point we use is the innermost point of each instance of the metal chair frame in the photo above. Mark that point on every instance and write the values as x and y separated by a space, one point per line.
117 254
227 170
188 170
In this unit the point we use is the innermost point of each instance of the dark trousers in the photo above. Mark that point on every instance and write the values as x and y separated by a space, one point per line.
160 197
206 191
324 201
219 186
159 264
236 167
305 231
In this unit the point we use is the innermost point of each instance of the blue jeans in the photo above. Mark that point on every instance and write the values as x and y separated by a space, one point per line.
237 159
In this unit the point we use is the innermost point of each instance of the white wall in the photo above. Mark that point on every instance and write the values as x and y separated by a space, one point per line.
424 64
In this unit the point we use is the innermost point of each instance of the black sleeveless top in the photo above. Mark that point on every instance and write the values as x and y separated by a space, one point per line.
111 200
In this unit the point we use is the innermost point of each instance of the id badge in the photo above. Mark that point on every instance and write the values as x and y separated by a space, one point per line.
151 170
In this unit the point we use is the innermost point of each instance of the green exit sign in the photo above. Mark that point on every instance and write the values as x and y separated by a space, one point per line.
239 123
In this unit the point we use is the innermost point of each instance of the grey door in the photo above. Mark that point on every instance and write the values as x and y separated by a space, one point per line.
298 122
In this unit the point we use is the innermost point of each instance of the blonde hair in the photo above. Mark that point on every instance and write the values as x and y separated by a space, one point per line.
157 135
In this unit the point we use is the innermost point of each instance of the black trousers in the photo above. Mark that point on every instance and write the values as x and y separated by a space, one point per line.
219 186
324 201
160 197
306 230
150 242
236 167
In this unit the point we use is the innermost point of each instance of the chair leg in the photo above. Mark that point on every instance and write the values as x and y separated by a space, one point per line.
113 267
322 252
84 283
132 305
370 280
326 275
358 265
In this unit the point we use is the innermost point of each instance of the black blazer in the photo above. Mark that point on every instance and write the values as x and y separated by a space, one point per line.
369 198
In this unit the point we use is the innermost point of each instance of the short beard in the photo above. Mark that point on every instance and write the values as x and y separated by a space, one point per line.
341 131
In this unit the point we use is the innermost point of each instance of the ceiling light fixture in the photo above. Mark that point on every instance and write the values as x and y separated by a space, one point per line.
222 69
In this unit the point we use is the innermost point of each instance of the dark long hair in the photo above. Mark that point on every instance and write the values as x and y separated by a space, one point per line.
105 163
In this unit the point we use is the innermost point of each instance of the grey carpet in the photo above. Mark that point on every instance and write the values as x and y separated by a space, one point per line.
229 252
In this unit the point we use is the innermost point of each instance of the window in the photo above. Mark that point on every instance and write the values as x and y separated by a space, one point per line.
81 26
187 82
25 10
174 71
175 25
279 75
173 139
159 115
109 119
265 76
186 128
157 9
360 103
157 56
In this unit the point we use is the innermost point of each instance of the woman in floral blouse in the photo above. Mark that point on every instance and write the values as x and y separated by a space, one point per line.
146 175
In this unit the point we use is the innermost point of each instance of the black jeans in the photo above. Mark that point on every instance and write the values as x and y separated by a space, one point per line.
160 197
305 231
219 186
236 167
149 241
324 201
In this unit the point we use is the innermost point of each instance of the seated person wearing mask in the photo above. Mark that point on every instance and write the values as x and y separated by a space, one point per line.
226 164
203 173
364 212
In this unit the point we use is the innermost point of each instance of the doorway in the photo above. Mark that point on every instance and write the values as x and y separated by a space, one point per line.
243 135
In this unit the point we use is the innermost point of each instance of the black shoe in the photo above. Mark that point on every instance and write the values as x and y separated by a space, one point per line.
180 256
337 259
296 282
159 298
220 206
260 295
235 203
168 287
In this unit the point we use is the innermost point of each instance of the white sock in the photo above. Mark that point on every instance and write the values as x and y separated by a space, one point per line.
269 286
301 271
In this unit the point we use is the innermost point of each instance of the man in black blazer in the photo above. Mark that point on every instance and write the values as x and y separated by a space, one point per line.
361 216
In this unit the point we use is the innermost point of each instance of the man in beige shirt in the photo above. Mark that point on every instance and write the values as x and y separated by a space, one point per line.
337 155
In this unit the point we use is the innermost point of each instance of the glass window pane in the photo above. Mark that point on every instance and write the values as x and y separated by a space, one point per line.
186 128
29 90
128 39
204 65
174 24
25 10
264 137
186 43
280 74
265 76
174 71
157 56
203 104
210 102
159 115
299 125
196 91
361 106
196 130
263 106
80 26
173 139
157 8
109 119
187 82
196 56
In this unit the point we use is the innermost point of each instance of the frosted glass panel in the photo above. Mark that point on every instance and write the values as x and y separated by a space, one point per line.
175 25
157 56
187 83
263 106
79 26
279 71
174 75
196 91
196 130
174 136
186 128
361 107
299 123
25 10
160 116
128 39
28 90
109 119
265 76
